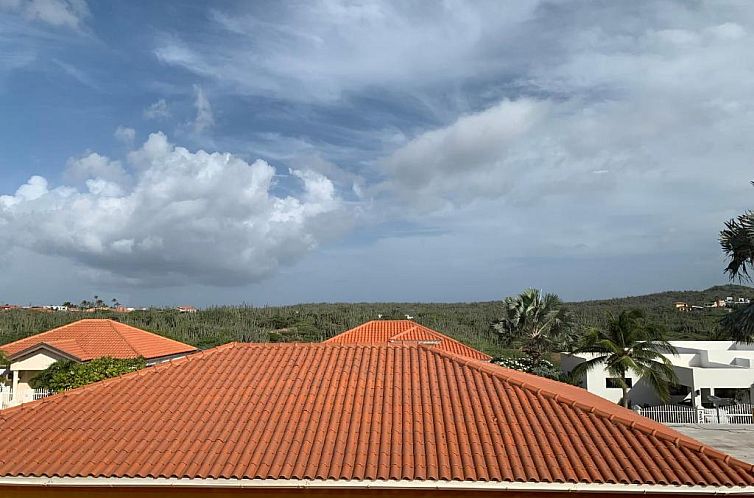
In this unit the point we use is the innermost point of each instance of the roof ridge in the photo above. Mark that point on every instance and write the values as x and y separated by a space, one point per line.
112 323
679 440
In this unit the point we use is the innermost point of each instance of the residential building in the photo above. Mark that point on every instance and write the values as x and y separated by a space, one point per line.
347 420
405 332
681 306
186 309
724 369
80 341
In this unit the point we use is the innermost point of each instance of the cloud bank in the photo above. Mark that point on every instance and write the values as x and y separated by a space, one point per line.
173 216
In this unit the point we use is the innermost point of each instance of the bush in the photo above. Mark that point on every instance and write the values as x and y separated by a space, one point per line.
543 368
67 374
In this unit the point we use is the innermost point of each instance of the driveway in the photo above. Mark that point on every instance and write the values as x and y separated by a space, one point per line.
736 440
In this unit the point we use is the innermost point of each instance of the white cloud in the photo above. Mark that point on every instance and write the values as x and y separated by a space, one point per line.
125 135
636 141
181 216
157 110
473 156
93 166
65 13
204 119
320 49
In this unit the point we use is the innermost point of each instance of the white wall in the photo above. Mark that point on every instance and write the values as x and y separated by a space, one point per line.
26 368
37 361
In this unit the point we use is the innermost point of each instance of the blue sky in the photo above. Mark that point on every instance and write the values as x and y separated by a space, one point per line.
268 152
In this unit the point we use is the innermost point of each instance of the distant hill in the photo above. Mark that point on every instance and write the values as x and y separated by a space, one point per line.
660 308
467 322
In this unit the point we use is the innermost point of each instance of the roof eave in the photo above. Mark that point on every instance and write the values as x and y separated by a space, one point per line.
136 482
46 346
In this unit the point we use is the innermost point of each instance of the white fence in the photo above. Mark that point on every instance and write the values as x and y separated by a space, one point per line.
6 395
679 414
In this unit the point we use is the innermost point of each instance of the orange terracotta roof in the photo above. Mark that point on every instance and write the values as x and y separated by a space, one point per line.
92 338
406 332
349 413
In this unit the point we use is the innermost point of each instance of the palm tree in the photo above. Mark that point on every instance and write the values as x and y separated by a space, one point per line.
539 321
630 344
737 241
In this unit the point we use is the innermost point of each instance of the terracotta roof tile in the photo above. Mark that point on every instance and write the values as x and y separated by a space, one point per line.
349 412
93 338
405 332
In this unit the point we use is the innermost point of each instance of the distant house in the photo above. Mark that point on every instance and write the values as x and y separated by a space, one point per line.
80 341
348 421
723 369
405 332
682 306
186 309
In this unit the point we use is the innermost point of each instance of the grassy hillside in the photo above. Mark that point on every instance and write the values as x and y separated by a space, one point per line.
468 322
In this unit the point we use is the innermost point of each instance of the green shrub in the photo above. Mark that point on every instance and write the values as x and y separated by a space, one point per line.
67 374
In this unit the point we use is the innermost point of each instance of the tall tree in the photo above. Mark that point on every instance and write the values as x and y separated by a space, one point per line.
539 322
630 344
737 241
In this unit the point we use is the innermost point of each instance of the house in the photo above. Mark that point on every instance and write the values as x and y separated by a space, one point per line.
347 420
80 341
405 332
724 369
186 309
682 306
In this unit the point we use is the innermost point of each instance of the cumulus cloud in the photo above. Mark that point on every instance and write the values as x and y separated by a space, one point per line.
65 13
174 216
157 110
98 172
125 135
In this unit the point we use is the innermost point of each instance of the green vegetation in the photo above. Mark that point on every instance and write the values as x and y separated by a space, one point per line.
630 344
467 322
538 324
67 374
543 367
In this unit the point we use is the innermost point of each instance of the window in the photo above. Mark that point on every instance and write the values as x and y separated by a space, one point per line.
679 390
614 382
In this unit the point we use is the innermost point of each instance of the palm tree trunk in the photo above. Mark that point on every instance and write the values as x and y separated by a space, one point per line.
624 388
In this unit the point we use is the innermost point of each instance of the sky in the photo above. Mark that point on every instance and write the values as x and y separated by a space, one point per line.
208 153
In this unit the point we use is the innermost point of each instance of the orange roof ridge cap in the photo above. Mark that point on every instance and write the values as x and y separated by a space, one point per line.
675 437
112 323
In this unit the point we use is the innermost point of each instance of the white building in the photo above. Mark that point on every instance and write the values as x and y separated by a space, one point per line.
719 368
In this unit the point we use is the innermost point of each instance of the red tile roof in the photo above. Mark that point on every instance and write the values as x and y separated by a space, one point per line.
405 332
92 338
349 413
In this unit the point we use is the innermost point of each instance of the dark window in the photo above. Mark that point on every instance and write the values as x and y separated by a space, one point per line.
614 382
679 390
